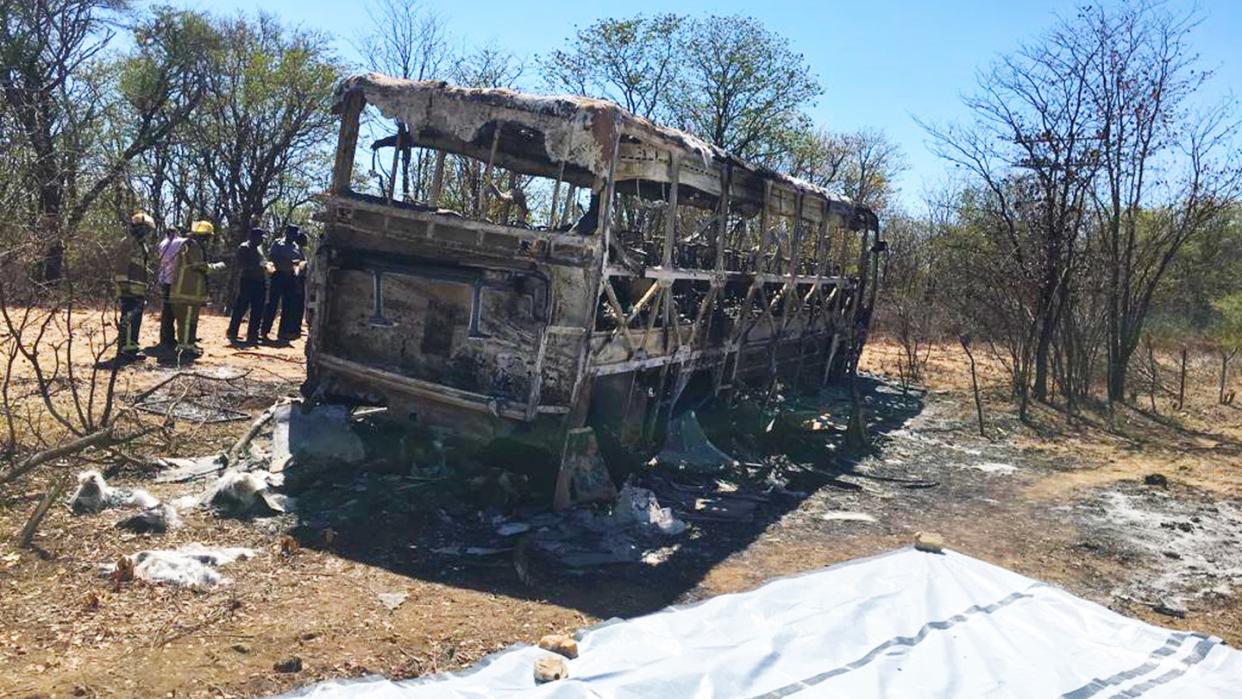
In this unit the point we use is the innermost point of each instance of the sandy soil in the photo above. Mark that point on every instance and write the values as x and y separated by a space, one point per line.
1058 501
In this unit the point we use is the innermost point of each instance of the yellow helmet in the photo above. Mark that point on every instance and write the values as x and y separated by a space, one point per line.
202 228
142 218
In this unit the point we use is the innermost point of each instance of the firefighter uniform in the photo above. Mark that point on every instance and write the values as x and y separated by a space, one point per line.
188 292
130 277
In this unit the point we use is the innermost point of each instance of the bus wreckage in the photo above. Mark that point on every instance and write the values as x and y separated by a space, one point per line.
558 271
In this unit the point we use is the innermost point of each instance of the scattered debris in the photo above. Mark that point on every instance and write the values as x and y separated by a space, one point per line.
843 516
95 495
153 520
512 528
289 546
241 493
1158 480
1169 608
122 571
319 434
392 600
583 477
185 470
559 643
723 509
193 566
996 467
469 550
930 542
289 665
687 447
639 506
549 668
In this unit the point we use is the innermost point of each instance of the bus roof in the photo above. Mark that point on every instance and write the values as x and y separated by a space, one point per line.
572 137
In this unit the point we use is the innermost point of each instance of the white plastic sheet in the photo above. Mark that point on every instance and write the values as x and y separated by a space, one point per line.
901 624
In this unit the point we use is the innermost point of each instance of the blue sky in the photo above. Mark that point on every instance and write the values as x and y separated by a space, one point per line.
881 62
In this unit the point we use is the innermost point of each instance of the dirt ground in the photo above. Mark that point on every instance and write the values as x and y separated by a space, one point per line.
1059 500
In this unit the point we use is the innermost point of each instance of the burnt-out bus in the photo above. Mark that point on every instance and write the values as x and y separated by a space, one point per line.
558 270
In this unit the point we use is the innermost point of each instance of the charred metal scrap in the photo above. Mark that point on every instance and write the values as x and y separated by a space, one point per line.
557 270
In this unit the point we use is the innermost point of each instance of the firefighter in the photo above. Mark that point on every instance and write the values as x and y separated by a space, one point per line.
132 267
188 292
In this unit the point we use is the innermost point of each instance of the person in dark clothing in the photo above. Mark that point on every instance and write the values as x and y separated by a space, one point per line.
294 327
286 256
251 288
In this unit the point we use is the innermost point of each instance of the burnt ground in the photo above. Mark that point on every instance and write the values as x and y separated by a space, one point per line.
1062 502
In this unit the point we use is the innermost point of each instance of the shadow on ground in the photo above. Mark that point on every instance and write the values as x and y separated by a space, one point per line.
448 528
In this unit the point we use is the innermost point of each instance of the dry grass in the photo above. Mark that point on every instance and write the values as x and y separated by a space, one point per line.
64 630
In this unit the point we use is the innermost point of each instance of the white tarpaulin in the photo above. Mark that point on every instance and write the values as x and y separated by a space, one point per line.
901 624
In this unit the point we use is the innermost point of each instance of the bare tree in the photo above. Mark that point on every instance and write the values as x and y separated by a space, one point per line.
53 65
405 40
1165 172
1032 147
863 165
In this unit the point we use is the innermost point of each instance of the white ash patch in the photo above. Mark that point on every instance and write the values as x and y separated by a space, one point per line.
995 467
95 495
844 516
1193 545
193 566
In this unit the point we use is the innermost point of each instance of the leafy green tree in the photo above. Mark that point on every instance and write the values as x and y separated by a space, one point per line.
742 87
633 62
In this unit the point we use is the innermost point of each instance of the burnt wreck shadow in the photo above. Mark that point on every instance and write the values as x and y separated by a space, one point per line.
487 524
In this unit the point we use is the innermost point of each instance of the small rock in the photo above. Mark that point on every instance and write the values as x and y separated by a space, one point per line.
549 668
558 643
512 528
1185 526
1156 479
1173 554
392 600
240 648
930 542
293 664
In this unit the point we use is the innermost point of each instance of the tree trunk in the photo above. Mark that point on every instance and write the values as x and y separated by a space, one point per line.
1224 374
1151 388
974 384
1181 383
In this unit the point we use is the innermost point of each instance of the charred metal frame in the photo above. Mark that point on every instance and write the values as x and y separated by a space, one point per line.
771 283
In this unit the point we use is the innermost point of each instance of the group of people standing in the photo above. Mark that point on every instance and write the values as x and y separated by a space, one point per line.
285 264
182 274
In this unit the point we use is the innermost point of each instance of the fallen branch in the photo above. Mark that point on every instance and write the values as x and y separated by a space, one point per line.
184 375
32 525
93 439
270 356
230 456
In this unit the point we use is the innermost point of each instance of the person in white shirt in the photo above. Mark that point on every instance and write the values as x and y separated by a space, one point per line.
167 254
